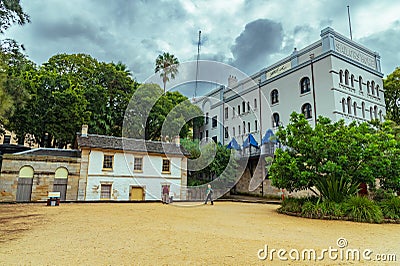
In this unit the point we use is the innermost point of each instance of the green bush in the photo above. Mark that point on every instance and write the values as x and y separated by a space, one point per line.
382 194
310 210
391 208
291 205
361 209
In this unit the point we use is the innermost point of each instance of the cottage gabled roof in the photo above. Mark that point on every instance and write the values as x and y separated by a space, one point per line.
51 152
129 144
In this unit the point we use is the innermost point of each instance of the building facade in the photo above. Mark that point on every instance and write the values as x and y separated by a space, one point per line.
333 77
114 168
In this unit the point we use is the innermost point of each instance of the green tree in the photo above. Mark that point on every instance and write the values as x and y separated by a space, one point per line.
167 64
391 85
333 157
151 114
10 13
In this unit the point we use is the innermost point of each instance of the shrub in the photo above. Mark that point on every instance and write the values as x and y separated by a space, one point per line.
391 208
291 205
332 209
382 194
335 189
361 209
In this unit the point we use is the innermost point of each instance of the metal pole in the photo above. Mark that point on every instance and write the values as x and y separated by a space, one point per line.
197 63
348 14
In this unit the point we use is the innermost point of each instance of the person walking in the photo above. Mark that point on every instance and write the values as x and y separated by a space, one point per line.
209 193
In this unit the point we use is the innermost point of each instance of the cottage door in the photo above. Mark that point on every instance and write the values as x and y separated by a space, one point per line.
24 189
25 181
136 193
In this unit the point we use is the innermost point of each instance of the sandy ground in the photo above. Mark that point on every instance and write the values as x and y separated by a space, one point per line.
155 234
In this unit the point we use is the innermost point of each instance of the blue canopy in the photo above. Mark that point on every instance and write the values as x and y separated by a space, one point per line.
250 141
233 145
269 137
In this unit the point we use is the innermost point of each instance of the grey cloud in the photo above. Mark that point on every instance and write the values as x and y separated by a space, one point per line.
390 56
256 43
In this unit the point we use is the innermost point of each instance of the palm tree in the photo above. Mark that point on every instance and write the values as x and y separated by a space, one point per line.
167 64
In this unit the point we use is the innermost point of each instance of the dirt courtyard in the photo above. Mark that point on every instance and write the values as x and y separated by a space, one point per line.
227 233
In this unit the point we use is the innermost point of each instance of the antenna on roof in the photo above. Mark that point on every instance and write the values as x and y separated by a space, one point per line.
197 63
348 14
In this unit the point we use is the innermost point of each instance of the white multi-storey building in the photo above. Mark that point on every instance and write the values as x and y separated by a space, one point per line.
333 77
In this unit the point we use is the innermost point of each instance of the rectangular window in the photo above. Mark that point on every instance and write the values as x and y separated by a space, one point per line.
138 164
105 191
255 103
206 122
248 106
201 135
238 109
226 132
215 139
108 162
233 112
226 112
255 125
214 121
166 166
206 134
233 131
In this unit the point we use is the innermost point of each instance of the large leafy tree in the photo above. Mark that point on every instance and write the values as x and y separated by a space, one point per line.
10 13
70 90
167 64
391 86
333 157
152 114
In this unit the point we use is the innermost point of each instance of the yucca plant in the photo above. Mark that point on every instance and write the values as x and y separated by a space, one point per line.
335 189
361 209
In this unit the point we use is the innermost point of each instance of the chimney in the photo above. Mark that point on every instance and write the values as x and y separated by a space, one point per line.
232 81
177 141
84 130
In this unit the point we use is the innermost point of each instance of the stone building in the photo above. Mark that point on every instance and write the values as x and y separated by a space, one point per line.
30 175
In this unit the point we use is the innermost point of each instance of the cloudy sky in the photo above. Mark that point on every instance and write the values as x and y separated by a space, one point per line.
249 35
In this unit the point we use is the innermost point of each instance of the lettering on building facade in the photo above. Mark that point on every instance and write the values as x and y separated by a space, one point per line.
354 54
278 70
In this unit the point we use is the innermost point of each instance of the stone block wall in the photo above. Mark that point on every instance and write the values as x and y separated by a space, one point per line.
43 179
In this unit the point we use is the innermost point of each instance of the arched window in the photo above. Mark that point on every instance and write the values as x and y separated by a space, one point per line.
368 87
341 76
371 117
248 127
306 110
380 115
248 106
274 96
373 87
305 85
360 81
244 107
363 109
376 112
233 131
239 130
255 125
349 105
352 81
255 103
275 120
377 90
346 77
355 109
244 127
343 105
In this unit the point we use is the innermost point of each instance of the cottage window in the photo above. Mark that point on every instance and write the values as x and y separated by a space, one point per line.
108 161
214 121
305 85
105 191
166 166
138 164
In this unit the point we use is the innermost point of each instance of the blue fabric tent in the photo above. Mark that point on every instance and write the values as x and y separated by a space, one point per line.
269 137
250 141
233 145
